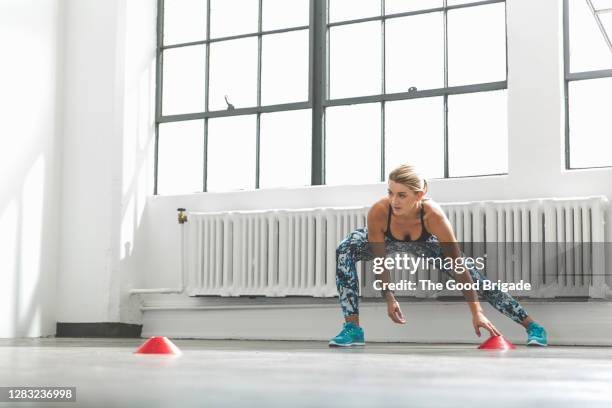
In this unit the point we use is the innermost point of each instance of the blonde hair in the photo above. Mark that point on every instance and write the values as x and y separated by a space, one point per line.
408 176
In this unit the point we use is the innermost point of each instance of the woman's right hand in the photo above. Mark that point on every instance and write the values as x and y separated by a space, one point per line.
394 312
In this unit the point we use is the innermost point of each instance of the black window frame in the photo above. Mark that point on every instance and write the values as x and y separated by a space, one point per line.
574 76
318 84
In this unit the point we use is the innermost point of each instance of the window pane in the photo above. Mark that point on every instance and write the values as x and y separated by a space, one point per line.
415 52
606 21
180 157
342 10
284 68
231 153
590 123
233 72
455 2
477 134
184 21
587 47
352 144
355 60
285 149
284 14
402 6
233 17
477 44
183 76
414 133
602 4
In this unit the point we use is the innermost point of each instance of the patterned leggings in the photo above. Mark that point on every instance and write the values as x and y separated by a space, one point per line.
354 247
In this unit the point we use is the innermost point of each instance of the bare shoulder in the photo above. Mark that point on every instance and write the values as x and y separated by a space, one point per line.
437 223
379 209
377 215
432 212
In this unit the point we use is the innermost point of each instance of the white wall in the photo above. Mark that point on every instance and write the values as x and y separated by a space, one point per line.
30 106
137 128
90 95
109 122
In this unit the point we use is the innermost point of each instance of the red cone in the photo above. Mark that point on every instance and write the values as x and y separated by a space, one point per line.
496 343
158 345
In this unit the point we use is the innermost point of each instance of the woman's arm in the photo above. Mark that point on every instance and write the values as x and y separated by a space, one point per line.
438 224
376 237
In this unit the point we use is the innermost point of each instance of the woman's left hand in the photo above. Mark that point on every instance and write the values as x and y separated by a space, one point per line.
479 320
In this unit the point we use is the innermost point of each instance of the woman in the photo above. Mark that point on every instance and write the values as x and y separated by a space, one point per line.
406 213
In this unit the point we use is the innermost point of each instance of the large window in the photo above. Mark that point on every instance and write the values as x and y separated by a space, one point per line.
588 75
275 93
233 105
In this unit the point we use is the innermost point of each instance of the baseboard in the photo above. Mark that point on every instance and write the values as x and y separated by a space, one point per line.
104 329
567 323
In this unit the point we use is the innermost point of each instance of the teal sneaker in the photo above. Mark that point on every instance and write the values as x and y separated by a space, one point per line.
351 335
536 335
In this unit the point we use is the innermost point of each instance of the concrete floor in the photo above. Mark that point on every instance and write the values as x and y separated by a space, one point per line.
221 373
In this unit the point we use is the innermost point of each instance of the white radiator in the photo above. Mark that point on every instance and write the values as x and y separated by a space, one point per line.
555 244
267 253
547 242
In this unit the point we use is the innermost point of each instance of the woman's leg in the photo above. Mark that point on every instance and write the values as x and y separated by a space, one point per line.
348 253
502 301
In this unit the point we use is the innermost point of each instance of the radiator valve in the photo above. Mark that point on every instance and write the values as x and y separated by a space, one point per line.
182 216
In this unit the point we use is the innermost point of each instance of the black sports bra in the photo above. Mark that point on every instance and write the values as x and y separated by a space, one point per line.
424 233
